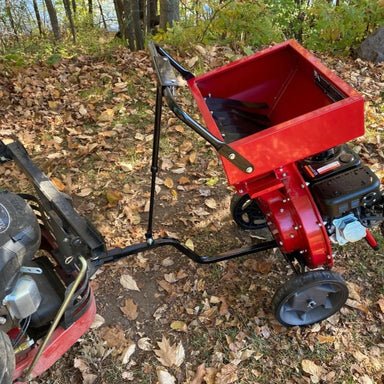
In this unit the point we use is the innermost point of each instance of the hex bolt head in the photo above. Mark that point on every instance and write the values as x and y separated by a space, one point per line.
249 170
231 156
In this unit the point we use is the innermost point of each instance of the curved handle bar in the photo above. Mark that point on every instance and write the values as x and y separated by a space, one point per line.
163 64
179 68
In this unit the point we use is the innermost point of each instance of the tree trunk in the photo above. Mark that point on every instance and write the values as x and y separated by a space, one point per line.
38 18
11 20
123 14
135 12
53 18
129 32
74 7
169 12
102 15
68 12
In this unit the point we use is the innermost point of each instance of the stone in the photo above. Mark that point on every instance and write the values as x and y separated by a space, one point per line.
372 49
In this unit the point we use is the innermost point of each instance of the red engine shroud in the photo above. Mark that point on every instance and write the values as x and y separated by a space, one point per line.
61 340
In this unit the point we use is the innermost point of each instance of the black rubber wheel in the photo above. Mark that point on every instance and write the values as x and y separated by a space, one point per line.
310 298
246 213
7 359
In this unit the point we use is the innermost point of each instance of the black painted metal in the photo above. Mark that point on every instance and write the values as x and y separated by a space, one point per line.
119 253
163 64
73 234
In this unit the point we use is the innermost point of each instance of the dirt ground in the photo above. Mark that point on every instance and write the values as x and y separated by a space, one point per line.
162 318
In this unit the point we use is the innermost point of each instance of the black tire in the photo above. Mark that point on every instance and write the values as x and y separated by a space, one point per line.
7 359
310 298
246 213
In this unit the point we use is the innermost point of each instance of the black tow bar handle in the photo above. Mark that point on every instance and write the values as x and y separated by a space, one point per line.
179 68
164 64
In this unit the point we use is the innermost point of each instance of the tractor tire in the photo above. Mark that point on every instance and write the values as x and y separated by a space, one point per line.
7 359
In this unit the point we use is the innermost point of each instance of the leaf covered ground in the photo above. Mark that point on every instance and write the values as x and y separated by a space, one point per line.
88 122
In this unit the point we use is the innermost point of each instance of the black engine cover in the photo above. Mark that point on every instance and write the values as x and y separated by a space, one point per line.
19 238
346 191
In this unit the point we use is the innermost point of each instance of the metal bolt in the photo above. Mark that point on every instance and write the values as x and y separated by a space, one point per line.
329 257
231 156
282 210
295 227
241 191
281 243
284 174
291 235
284 200
3 320
77 242
302 186
319 224
249 170
312 304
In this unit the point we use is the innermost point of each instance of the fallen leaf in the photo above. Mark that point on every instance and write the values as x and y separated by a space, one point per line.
355 304
381 304
183 180
58 183
211 203
129 283
227 374
223 310
189 244
82 110
170 354
98 321
199 375
130 309
106 116
322 339
88 378
128 353
114 337
359 356
85 192
113 197
179 326
210 376
168 182
314 370
164 376
145 344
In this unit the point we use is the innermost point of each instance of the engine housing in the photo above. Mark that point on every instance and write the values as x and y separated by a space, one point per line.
19 239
